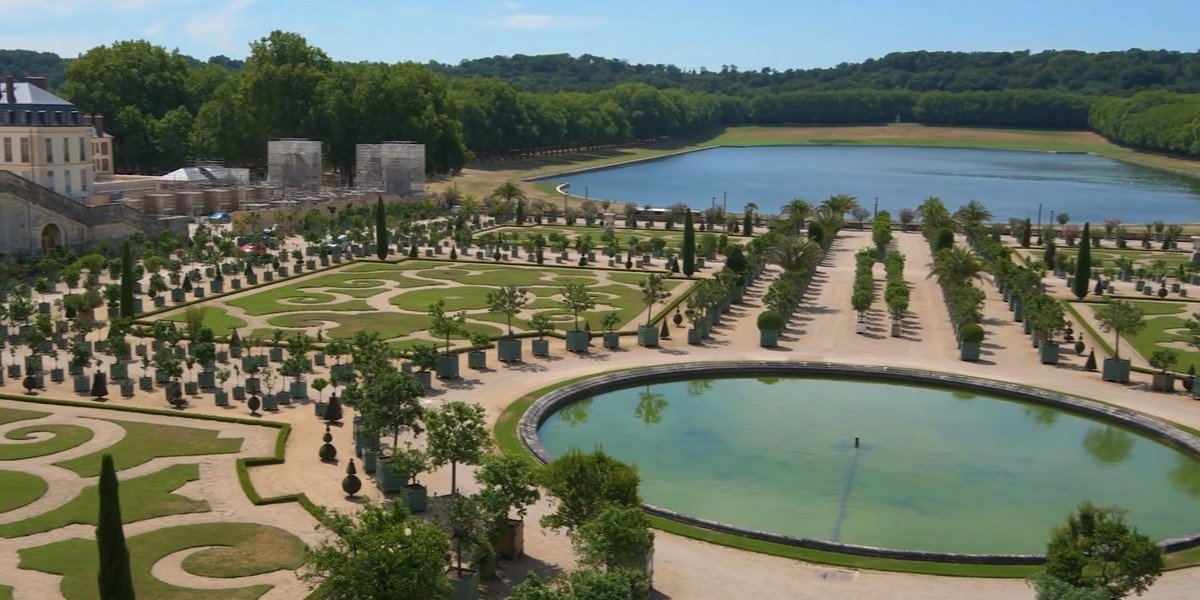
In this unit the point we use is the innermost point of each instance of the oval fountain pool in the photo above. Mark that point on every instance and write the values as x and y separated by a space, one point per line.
949 468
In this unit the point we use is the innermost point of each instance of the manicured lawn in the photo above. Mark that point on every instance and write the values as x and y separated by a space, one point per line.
457 298
1161 317
249 548
216 318
144 497
1107 256
144 442
9 415
18 489
65 437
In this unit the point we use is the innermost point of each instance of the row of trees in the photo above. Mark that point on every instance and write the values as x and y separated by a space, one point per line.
1160 121
162 111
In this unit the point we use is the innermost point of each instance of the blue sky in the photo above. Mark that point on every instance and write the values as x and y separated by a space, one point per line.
699 33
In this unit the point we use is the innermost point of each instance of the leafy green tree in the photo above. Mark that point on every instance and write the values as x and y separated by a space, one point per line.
1122 318
114 574
388 402
616 538
1097 550
508 300
510 478
582 584
383 554
576 298
584 484
654 290
457 433
446 326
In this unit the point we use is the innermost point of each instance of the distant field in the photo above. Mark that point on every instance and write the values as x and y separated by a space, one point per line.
480 179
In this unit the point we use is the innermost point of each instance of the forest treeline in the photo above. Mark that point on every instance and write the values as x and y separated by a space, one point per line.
1157 121
165 108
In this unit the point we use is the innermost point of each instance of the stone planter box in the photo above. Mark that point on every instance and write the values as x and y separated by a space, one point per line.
118 371
253 385
239 392
217 286
969 351
612 340
447 366
145 384
221 398
540 347
1048 353
72 368
647 335
1139 285
198 291
695 336
1116 369
298 389
1195 387
268 276
57 375
127 388
191 388
426 379
319 359
509 349
178 295
464 586
269 402
276 354
235 284
512 539
416 497
477 359
82 384
388 481
207 379
768 338
159 301
1164 382
577 340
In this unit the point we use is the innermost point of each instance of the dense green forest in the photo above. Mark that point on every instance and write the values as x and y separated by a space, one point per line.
1158 121
166 108
1068 70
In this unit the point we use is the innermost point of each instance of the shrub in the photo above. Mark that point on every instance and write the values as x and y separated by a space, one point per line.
971 333
770 320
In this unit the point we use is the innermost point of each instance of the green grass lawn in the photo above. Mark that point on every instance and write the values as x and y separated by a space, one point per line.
18 489
1107 257
144 497
246 549
65 437
1161 317
216 318
10 415
144 442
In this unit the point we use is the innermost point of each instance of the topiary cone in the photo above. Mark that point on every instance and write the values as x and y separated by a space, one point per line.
333 412
351 483
1091 361
99 386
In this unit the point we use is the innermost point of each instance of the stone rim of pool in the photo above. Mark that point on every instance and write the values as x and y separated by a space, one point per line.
543 408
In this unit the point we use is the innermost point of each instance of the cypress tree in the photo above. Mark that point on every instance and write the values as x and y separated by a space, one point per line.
115 578
1026 231
689 244
126 281
520 211
748 223
1083 264
381 236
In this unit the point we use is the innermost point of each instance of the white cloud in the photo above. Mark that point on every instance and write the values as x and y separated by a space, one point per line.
540 22
216 27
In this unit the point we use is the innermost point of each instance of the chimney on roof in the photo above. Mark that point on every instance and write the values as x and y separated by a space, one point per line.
38 81
10 89
98 119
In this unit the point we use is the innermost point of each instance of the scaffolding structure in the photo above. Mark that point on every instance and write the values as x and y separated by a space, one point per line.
396 168
294 166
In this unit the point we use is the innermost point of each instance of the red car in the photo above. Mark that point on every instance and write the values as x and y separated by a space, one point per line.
254 249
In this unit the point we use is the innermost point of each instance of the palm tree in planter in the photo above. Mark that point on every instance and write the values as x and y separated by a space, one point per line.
542 325
1122 318
770 323
457 433
1162 360
446 326
509 483
653 292
970 336
508 300
1044 316
577 299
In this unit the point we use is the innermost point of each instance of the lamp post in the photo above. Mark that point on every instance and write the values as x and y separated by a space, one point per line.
725 202
875 212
